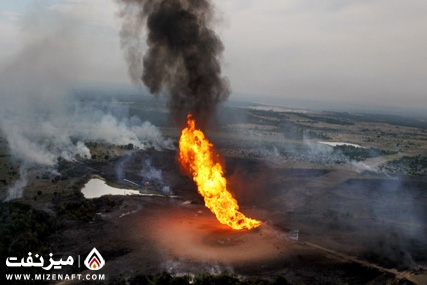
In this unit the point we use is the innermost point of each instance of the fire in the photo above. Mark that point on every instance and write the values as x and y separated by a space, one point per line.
196 157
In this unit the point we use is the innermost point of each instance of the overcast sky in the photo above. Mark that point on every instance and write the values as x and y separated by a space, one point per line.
365 51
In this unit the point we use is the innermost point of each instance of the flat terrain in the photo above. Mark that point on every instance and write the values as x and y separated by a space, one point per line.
359 211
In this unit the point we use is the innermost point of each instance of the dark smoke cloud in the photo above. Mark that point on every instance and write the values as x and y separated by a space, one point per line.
182 56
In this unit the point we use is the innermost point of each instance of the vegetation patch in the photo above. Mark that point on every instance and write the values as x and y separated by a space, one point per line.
360 153
84 210
204 279
408 165
23 229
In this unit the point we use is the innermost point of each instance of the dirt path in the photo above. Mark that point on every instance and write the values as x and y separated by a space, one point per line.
399 274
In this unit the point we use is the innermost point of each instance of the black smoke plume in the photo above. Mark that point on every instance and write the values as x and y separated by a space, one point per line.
182 56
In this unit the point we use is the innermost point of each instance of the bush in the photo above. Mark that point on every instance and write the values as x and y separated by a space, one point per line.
23 228
80 210
204 279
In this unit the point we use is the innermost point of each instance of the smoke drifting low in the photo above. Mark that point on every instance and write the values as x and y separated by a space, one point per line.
40 116
182 56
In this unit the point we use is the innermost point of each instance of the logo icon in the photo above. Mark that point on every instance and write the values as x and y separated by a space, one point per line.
94 260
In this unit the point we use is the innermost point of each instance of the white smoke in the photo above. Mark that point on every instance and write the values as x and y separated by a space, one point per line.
182 267
95 125
151 172
41 118
17 189
154 176
24 148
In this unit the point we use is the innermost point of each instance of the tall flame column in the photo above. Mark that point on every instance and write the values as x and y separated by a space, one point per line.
195 156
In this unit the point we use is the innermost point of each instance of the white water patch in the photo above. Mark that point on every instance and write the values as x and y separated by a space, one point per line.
278 109
341 143
96 188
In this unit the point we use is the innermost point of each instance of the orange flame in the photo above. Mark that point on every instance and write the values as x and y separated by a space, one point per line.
195 156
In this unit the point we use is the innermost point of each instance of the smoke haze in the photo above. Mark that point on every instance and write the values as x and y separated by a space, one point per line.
40 116
182 57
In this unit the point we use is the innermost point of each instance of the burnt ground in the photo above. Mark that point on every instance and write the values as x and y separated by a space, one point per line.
353 228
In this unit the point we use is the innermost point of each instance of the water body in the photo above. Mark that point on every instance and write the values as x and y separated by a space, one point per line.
96 188
340 143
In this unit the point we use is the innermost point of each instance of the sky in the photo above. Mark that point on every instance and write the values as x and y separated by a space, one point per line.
368 52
